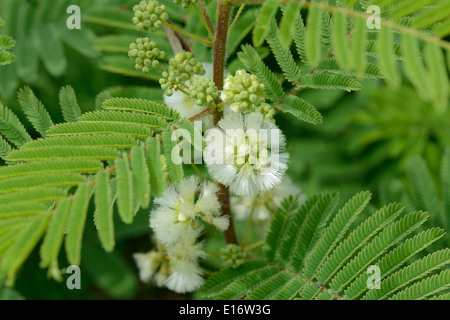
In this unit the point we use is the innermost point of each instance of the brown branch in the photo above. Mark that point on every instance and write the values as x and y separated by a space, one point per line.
220 44
206 15
202 114
219 50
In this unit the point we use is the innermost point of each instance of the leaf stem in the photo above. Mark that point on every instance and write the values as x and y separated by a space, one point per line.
211 35
236 17
197 170
249 224
205 112
206 15
193 36
255 245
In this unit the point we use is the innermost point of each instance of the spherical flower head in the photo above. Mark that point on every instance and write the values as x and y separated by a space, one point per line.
203 90
153 266
243 92
234 256
246 153
181 69
146 54
263 205
179 209
149 15
184 3
185 272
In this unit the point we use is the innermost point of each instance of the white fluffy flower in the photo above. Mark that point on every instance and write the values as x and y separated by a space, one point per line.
185 277
179 208
152 266
144 263
185 273
266 203
246 153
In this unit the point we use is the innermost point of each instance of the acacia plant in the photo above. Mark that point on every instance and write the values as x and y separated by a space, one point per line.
125 157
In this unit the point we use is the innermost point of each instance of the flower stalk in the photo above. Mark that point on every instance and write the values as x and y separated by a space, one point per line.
219 50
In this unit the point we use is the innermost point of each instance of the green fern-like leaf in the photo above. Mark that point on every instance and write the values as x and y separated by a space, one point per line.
124 118
5 148
124 190
426 287
313 38
69 105
40 180
77 220
155 166
141 177
301 109
54 236
266 13
283 55
24 243
11 127
34 110
49 166
325 80
394 259
104 140
254 64
62 152
173 158
141 105
89 128
103 215
335 260
291 13
6 57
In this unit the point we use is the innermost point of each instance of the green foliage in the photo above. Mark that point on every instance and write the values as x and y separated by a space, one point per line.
266 13
334 261
69 105
34 110
350 55
41 34
110 155
6 43
111 158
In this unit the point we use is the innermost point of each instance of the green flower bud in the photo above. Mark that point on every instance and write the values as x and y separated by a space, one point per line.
243 92
203 90
233 255
149 15
145 53
181 69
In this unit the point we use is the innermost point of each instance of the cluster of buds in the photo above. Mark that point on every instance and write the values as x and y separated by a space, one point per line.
184 3
266 110
146 54
243 92
203 90
233 255
181 69
149 15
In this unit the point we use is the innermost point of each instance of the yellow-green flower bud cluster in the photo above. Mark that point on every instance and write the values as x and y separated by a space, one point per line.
243 91
203 90
146 54
234 256
181 69
149 15
266 110
184 3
